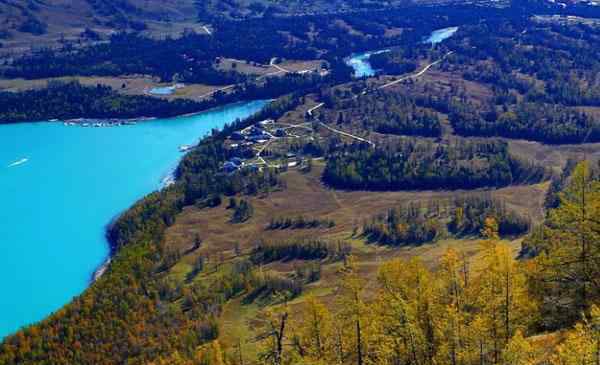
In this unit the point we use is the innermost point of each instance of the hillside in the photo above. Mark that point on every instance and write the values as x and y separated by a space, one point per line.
440 211
237 9
236 55
35 24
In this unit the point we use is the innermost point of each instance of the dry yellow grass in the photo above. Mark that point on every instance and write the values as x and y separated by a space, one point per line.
306 195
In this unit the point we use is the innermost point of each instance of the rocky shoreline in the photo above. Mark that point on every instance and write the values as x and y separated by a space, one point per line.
101 270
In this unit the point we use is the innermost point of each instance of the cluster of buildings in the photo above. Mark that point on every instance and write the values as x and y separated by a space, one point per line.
233 165
255 134
246 138
244 143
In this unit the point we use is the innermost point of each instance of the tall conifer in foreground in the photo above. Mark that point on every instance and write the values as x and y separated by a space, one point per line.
569 276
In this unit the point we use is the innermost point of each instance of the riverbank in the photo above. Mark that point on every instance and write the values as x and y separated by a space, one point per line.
101 270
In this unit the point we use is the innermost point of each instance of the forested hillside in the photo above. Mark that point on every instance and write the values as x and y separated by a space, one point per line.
418 223
442 211
538 81
384 112
191 53
425 166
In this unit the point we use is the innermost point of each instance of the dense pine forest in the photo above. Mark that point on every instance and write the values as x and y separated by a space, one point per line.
541 78
416 223
425 165
383 112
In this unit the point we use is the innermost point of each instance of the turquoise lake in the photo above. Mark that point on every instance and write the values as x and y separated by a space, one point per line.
61 185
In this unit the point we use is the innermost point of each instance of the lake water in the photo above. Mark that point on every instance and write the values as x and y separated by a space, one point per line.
440 35
165 90
60 186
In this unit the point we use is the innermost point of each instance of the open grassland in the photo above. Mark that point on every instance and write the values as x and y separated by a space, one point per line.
305 195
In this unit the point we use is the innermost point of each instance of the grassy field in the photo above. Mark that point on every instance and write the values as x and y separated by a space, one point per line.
305 195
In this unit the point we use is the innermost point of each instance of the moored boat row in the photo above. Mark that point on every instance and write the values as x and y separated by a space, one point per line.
97 123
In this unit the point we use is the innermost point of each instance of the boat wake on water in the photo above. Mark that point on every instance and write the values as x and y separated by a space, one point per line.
20 162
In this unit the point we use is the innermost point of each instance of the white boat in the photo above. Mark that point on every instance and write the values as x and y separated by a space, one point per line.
20 162
185 148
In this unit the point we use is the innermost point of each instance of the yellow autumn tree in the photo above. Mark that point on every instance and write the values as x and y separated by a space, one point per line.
519 351
175 359
570 248
404 330
353 315
274 334
477 342
210 354
582 344
502 299
454 300
313 333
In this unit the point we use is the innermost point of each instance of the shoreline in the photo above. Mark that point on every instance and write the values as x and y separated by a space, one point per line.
120 121
130 121
97 274
169 179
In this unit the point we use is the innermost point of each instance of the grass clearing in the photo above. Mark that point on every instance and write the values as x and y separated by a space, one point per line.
306 195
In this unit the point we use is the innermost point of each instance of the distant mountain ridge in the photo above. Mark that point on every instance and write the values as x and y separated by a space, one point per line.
35 24
26 24
253 8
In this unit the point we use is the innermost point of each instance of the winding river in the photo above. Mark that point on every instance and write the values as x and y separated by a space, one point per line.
360 61
361 65
59 188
